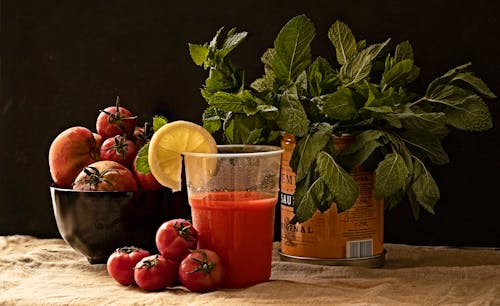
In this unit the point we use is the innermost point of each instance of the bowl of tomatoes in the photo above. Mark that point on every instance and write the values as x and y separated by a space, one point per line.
103 194
95 223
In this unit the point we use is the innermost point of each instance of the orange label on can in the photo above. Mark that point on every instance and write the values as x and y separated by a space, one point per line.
357 232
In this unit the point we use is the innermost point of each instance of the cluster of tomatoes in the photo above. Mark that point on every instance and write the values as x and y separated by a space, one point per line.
105 160
178 262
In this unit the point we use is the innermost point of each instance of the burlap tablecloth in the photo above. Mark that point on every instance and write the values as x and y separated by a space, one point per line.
47 272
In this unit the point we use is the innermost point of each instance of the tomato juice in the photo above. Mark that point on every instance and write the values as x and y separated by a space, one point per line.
239 226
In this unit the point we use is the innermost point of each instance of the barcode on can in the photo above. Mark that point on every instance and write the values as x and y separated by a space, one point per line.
359 248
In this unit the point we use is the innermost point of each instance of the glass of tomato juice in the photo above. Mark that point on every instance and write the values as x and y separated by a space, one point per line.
233 195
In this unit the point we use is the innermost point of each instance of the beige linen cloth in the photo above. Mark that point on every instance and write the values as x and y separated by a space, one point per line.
48 272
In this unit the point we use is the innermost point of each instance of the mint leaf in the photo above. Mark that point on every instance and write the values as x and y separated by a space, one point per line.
450 95
357 152
472 115
321 77
269 112
339 105
227 102
476 83
142 164
433 123
342 186
238 128
292 118
268 80
158 122
445 78
402 73
215 40
211 119
292 45
426 143
415 207
306 201
424 189
232 41
391 174
265 83
224 78
308 147
344 42
359 67
403 51
199 53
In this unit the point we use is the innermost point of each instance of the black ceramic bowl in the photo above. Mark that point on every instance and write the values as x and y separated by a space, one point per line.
95 223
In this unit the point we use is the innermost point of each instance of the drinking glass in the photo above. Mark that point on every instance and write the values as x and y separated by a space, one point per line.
233 195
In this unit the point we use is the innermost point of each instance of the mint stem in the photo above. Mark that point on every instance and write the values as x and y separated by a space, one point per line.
423 99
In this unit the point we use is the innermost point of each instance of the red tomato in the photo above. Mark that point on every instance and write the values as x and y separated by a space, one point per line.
119 149
142 135
70 152
202 271
105 175
175 238
115 120
145 181
121 264
154 273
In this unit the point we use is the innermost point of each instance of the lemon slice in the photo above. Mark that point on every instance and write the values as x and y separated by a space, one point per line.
166 146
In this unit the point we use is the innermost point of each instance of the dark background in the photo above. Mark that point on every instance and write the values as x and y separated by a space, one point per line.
61 61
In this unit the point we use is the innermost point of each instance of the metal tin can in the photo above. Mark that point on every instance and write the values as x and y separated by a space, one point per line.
353 237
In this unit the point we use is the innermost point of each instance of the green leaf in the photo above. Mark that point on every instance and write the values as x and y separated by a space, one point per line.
404 51
301 84
219 81
322 78
292 118
227 102
359 67
476 83
358 151
378 109
340 105
238 127
268 80
215 40
308 147
445 78
269 112
394 199
428 144
342 186
306 202
472 115
199 53
254 137
391 174
424 188
232 41
450 95
211 119
415 207
292 46
142 164
344 42
432 123
158 122
402 73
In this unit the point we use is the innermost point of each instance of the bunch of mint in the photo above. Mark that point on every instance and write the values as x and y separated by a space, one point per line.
366 93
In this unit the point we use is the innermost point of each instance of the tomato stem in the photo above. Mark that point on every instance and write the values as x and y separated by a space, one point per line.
204 265
184 230
94 177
